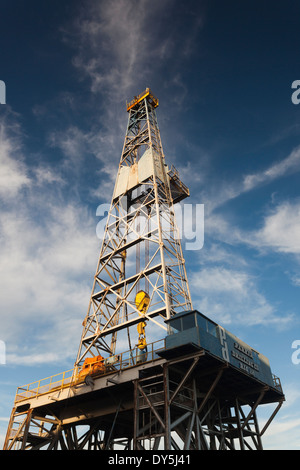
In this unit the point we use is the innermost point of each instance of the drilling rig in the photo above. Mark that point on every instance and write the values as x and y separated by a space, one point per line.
191 384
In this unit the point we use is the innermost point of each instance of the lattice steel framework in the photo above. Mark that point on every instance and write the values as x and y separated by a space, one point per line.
141 247
175 411
183 399
194 402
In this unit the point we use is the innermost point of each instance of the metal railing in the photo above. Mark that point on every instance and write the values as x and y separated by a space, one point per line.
277 383
137 99
69 378
174 176
122 361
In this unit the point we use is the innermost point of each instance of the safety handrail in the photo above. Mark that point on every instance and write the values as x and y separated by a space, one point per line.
57 382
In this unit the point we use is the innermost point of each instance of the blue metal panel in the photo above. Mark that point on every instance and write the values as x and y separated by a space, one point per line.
194 328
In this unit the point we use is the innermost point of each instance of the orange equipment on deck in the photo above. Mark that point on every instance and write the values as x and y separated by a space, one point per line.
92 365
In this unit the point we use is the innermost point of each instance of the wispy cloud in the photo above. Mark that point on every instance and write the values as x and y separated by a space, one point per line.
72 142
295 280
45 271
118 48
225 286
227 192
231 296
48 238
48 254
121 46
284 430
277 231
115 44
277 228
13 174
286 166
281 229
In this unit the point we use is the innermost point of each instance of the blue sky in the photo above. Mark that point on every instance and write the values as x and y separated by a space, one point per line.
223 73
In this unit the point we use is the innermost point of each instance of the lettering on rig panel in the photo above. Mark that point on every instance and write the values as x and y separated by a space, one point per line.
245 358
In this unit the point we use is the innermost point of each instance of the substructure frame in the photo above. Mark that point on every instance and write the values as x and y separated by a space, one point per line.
189 401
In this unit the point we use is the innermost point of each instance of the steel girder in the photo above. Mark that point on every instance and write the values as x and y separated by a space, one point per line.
141 246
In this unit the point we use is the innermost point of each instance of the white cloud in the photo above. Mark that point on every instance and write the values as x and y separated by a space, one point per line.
13 174
223 287
48 255
222 191
45 175
281 229
121 45
283 432
217 254
295 280
78 148
221 280
278 231
120 48
231 296
276 170
46 278
114 40
72 142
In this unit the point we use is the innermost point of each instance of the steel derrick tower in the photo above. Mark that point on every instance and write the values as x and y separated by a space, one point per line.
151 373
141 250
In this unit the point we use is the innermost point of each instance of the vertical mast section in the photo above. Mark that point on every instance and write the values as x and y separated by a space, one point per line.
141 248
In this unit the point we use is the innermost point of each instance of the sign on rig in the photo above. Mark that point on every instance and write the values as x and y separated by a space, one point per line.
194 329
